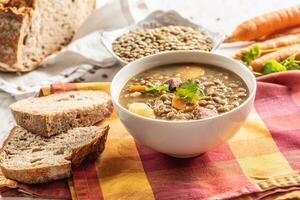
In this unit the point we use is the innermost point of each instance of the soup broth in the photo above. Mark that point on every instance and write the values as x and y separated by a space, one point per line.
183 92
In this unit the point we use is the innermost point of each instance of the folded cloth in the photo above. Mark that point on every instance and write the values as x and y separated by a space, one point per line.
260 162
57 189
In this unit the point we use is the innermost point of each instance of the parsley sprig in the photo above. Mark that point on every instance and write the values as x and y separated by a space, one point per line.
189 90
272 66
249 55
152 87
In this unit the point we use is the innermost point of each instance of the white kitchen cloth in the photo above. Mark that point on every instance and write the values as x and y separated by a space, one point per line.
85 51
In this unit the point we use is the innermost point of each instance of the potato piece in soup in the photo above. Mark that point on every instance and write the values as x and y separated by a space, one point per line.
141 109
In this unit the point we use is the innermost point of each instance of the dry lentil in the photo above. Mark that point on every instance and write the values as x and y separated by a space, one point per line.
139 43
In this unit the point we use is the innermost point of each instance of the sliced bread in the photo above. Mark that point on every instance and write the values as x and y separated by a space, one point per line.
57 113
30 158
30 30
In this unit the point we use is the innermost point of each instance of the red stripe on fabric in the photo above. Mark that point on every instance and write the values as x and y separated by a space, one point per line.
12 193
293 157
288 79
168 162
276 107
57 189
213 173
62 87
86 182
258 196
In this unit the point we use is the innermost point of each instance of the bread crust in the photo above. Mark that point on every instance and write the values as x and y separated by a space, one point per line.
45 125
17 3
12 21
18 15
94 149
36 175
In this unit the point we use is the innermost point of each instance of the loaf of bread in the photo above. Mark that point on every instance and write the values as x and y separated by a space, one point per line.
30 158
30 30
57 113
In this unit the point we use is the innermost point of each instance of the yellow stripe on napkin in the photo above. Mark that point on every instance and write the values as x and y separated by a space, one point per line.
257 153
120 171
103 86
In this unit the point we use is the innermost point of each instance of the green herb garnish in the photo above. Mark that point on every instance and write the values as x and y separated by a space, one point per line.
189 90
290 63
249 55
151 87
272 66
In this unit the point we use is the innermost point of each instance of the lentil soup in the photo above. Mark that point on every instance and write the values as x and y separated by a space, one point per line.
183 92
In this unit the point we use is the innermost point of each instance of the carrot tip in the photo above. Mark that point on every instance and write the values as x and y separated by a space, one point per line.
230 39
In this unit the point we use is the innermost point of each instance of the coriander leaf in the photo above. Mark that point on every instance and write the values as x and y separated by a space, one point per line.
151 87
290 63
250 55
272 66
189 90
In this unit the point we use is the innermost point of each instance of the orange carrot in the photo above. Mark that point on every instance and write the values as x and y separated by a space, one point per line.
178 103
273 44
136 88
297 56
182 104
266 24
290 31
279 55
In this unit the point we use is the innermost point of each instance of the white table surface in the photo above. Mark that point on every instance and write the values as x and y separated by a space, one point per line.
218 15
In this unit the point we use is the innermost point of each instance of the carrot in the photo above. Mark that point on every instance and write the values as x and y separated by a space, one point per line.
182 104
297 56
279 55
273 44
178 103
136 88
290 31
266 24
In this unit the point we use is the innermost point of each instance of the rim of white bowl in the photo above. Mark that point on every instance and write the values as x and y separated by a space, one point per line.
116 101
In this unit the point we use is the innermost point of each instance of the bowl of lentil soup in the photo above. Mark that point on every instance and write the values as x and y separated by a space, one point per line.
183 103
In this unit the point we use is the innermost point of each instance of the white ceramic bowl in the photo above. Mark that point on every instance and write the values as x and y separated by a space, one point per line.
183 138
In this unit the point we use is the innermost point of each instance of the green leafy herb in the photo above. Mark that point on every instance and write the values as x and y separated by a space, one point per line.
250 55
290 63
189 90
151 87
272 66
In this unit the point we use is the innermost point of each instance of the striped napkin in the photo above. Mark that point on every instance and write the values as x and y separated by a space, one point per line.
262 161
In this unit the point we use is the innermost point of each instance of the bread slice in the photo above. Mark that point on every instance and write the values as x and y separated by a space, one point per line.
30 158
57 113
32 29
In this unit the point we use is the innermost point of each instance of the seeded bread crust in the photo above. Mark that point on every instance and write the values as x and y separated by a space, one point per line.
52 124
62 170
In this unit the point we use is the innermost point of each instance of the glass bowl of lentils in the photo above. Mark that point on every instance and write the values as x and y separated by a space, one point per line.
160 32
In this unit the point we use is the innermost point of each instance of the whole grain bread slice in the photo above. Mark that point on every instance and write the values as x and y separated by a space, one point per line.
30 158
57 113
